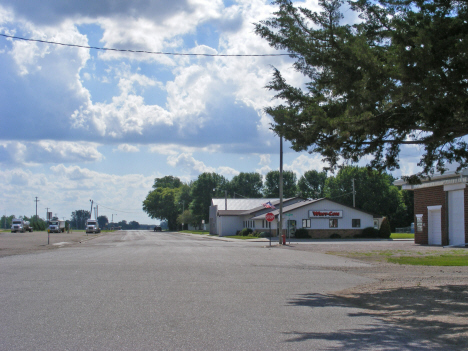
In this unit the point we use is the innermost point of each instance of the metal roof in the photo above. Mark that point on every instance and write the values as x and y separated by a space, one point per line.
305 203
240 204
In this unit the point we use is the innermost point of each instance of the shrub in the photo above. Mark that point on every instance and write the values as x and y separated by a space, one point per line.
369 232
335 236
302 233
245 232
385 230
265 235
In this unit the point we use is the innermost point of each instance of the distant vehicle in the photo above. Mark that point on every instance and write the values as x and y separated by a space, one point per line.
92 226
19 225
56 226
157 229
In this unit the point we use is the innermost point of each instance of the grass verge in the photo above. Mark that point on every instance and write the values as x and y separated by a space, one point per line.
442 260
456 257
240 237
402 236
201 232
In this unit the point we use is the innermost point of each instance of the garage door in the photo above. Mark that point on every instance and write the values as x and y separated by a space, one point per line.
434 229
456 216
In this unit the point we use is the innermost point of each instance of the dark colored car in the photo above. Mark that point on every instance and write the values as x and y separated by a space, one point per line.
157 229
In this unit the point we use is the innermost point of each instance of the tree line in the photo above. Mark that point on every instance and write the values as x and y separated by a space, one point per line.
176 202
77 221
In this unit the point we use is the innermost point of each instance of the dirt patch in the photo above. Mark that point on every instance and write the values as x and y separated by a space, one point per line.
430 301
35 242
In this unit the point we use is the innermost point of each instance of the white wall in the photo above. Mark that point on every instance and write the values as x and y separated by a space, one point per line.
229 225
345 222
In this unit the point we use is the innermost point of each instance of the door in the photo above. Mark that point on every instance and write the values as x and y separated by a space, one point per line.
434 230
456 208
292 228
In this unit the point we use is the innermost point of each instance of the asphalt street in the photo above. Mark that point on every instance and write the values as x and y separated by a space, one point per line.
140 290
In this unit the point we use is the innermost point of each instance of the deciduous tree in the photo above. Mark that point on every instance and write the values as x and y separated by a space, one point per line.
207 186
78 218
247 185
102 220
311 184
374 192
271 187
161 204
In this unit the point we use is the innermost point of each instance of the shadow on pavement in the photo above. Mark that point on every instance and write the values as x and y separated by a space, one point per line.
432 316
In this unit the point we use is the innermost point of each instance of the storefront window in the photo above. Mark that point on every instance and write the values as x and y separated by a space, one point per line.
333 223
356 223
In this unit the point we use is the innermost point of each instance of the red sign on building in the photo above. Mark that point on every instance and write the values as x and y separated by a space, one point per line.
325 214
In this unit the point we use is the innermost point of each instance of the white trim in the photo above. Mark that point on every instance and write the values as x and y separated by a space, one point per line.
433 208
419 215
433 183
451 187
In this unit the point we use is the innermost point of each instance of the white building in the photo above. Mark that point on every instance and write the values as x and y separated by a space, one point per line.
321 218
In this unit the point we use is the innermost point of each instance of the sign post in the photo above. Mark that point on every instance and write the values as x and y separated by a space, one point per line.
289 233
270 217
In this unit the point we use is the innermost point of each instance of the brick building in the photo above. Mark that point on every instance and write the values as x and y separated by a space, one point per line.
440 209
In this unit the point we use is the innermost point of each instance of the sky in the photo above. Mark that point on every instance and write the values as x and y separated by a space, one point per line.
80 124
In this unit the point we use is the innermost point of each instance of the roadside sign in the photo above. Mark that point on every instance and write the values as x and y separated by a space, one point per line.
270 217
287 214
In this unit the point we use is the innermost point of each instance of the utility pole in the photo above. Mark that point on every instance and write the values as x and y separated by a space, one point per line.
280 233
183 210
354 195
36 207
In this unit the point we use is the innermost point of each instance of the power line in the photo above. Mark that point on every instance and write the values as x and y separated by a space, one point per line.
113 209
139 51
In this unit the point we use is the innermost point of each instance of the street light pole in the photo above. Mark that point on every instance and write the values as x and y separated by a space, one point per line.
280 233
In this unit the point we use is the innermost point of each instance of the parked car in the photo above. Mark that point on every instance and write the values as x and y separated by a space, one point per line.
157 228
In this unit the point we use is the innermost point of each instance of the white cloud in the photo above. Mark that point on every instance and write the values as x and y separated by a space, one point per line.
174 149
227 172
48 151
263 170
265 160
127 148
303 163
189 164
67 189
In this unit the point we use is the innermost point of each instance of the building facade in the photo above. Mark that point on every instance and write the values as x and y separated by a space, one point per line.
440 209
321 218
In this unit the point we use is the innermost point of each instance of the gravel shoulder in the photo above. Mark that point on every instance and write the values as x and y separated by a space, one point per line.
36 242
431 301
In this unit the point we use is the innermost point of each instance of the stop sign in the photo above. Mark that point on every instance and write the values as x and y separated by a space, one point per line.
270 217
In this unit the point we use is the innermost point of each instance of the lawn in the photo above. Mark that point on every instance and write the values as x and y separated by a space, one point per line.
201 232
453 259
241 237
402 236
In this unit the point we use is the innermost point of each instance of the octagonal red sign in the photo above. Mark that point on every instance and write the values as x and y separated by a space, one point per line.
270 217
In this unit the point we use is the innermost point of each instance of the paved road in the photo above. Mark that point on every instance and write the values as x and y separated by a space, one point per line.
140 290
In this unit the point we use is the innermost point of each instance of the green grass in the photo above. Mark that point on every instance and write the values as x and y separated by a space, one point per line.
442 260
402 236
201 232
241 237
